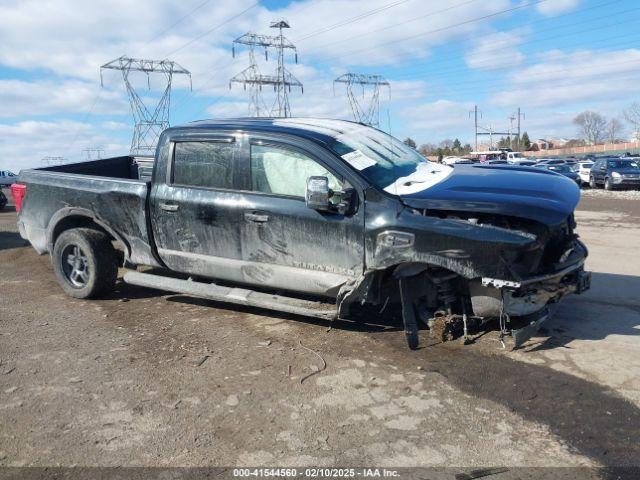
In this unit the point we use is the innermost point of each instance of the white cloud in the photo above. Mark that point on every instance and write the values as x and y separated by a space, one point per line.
433 121
24 144
19 98
573 77
496 51
554 7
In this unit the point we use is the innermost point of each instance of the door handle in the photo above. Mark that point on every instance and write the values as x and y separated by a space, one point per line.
169 207
256 217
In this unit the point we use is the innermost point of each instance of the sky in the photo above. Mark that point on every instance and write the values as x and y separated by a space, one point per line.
552 59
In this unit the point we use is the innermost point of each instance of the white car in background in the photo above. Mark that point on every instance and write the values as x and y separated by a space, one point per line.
452 159
7 178
584 169
517 158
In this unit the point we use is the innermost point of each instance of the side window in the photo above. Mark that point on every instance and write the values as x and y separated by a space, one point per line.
284 172
203 164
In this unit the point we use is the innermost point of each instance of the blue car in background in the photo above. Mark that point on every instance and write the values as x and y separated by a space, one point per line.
562 169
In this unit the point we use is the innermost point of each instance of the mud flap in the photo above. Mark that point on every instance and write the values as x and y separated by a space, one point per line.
409 314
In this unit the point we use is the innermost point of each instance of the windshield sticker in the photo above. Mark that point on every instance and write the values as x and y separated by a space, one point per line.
358 160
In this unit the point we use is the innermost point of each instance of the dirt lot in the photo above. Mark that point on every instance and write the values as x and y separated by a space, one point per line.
145 378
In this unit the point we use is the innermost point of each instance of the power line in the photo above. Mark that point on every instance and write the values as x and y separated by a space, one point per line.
474 90
532 77
351 20
447 73
500 45
392 26
179 21
213 29
437 30
207 82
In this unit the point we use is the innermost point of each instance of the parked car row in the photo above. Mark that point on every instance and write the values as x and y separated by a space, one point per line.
610 172
7 178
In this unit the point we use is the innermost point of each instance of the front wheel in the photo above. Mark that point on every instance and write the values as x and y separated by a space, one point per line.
608 184
85 262
592 182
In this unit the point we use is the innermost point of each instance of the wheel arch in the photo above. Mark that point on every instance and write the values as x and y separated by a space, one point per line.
73 217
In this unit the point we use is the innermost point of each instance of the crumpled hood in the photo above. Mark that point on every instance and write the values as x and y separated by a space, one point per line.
525 192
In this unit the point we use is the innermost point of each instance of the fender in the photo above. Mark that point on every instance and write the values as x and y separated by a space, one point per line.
67 212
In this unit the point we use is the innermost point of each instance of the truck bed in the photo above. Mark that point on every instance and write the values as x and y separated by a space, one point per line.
129 167
108 192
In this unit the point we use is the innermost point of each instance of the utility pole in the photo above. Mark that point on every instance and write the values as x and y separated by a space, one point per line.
519 115
149 121
475 118
282 81
370 114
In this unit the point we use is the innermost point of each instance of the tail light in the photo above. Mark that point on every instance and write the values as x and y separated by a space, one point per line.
18 191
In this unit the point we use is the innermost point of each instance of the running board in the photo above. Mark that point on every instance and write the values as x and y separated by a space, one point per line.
240 296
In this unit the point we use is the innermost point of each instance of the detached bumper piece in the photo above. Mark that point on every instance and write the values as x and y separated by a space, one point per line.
533 322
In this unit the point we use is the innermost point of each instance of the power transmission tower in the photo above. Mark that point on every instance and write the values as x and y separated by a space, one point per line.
149 121
93 153
247 77
282 81
52 161
367 114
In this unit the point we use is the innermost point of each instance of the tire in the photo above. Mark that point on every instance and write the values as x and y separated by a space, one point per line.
592 182
607 184
85 263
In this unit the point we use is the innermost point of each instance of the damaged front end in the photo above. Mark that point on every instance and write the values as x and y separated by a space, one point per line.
454 270
522 306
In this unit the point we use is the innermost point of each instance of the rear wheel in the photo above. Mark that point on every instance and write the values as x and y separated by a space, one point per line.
85 262
592 182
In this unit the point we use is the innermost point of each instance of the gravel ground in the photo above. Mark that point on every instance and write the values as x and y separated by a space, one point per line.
143 378
613 194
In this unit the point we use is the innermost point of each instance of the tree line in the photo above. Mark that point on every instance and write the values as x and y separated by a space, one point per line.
593 129
448 147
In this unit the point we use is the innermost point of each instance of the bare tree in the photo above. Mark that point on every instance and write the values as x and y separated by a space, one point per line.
614 127
632 115
592 126
446 143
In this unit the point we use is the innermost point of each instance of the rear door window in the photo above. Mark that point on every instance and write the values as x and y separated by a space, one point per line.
204 164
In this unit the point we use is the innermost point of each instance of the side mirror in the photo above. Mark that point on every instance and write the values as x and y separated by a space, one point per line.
317 193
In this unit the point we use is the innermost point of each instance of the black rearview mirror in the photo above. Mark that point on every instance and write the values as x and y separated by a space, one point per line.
317 193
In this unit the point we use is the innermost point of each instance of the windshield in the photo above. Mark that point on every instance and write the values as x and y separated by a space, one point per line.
381 158
623 164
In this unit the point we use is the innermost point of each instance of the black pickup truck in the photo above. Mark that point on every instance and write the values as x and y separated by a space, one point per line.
315 217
